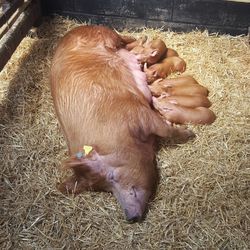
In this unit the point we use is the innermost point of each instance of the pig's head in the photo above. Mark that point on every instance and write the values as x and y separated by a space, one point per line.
144 54
151 73
131 179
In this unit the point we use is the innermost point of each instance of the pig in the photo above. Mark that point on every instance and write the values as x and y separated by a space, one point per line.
171 52
100 102
149 52
164 68
180 86
183 115
136 44
189 101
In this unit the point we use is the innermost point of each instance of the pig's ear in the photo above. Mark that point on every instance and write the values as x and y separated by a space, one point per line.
154 53
154 73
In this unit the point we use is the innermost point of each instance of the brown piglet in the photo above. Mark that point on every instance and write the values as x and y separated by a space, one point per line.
180 86
163 69
183 115
149 52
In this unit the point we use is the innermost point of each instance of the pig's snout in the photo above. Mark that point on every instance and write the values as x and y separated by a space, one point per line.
133 202
133 216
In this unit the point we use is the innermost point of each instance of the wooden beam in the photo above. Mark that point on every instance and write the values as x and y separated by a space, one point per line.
13 18
17 32
13 5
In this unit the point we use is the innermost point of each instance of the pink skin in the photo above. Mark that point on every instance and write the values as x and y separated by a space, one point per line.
139 76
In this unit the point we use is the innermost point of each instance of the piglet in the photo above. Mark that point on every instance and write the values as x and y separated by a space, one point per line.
183 115
136 45
149 52
180 86
189 101
163 69
103 104
171 52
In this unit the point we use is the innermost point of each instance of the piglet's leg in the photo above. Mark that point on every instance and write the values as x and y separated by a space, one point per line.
165 130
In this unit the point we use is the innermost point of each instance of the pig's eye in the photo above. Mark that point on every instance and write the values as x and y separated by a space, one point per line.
133 191
111 176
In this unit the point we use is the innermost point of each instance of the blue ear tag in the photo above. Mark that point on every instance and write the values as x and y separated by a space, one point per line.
80 155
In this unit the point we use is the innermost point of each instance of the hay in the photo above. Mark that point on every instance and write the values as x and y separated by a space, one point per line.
203 196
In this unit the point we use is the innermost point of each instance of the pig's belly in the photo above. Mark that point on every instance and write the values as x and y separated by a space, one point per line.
139 76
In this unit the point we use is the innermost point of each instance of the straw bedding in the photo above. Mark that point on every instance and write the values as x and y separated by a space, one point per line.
202 200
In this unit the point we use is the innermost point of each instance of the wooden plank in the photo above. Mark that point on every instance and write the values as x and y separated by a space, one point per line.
212 12
19 29
154 9
120 23
9 10
54 6
228 16
13 18
113 22
187 27
124 8
158 10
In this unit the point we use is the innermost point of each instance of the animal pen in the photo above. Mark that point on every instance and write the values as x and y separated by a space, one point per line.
202 200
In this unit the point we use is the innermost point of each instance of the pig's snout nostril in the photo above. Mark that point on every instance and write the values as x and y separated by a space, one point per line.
132 218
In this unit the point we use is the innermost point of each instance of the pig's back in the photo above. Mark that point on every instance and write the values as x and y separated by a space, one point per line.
94 95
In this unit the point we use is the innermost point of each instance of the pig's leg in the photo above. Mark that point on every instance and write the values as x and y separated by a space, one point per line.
72 185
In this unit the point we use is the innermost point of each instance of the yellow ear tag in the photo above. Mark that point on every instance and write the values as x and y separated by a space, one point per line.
87 149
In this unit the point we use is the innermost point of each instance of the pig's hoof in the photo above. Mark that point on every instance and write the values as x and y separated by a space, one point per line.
188 134
183 135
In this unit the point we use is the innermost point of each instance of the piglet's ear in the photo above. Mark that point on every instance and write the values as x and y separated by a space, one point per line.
155 73
154 53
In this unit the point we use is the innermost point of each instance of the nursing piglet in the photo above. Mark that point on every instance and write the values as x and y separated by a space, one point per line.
103 103
183 115
149 52
163 69
185 85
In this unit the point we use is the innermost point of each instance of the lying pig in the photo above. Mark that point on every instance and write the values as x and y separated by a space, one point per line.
180 86
102 101
183 115
171 52
163 69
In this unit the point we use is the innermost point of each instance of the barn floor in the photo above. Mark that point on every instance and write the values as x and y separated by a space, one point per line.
202 200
